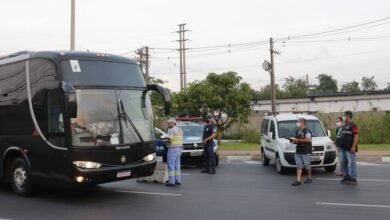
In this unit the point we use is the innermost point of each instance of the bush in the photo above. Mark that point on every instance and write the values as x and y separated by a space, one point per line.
245 134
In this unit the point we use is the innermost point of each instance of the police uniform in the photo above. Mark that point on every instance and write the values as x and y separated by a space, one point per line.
175 146
209 153
303 150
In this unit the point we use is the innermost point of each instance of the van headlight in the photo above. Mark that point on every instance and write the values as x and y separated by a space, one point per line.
330 146
290 147
87 164
150 157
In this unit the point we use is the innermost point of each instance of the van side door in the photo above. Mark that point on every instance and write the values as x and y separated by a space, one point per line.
265 140
272 133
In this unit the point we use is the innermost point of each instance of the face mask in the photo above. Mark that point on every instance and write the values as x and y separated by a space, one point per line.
298 124
338 124
344 119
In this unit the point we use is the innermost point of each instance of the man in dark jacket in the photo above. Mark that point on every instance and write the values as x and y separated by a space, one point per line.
209 133
303 151
348 147
339 129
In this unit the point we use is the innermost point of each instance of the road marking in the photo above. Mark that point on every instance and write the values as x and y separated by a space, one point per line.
352 205
186 174
370 180
252 162
149 193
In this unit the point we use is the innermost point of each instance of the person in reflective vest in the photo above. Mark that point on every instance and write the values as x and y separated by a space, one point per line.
175 146
349 147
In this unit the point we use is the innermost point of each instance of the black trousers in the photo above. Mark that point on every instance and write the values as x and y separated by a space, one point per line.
209 157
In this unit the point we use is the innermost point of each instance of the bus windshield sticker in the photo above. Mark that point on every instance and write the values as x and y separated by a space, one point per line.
75 66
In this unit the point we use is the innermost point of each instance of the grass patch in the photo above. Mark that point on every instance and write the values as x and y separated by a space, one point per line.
239 146
374 147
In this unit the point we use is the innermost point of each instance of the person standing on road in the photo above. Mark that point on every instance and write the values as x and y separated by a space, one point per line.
349 146
208 141
339 129
175 145
303 151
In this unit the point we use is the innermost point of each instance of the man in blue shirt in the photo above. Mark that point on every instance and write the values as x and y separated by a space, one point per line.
209 133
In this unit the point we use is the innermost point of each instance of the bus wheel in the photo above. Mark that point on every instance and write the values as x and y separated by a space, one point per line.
19 177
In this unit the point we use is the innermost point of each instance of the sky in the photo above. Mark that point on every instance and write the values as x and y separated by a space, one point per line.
122 26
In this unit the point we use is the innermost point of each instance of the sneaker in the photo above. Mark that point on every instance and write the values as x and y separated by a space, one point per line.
296 183
308 181
170 184
178 183
351 181
212 172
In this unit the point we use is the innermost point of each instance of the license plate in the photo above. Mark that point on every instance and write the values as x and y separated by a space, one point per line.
316 158
122 174
196 153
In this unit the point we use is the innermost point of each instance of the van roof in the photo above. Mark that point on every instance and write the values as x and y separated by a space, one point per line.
291 116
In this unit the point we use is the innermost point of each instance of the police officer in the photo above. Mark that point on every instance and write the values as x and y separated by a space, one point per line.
348 148
303 151
208 141
175 146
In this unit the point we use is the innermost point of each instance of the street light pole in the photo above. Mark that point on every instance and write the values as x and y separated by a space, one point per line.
72 24
272 72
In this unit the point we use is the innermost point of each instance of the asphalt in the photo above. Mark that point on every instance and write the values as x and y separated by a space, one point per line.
240 190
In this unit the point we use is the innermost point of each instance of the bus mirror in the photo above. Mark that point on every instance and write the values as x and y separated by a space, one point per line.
70 99
165 94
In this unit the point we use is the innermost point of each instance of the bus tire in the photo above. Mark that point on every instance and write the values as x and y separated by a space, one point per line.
20 177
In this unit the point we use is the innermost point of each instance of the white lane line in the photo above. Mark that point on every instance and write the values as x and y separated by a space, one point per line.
352 205
369 180
149 193
252 162
186 174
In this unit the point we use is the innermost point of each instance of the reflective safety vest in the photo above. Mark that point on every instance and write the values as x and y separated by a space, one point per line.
175 136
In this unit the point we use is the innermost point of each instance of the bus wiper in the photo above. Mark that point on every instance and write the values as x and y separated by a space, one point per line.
128 119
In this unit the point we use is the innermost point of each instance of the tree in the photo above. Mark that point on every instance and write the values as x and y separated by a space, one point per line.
388 86
369 84
223 96
351 87
295 87
265 93
326 84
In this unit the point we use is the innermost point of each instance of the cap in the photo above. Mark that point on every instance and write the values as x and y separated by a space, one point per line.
173 120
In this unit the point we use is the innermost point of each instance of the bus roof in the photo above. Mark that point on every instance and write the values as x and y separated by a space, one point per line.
57 56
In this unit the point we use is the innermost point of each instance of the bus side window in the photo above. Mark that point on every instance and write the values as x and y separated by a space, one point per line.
55 113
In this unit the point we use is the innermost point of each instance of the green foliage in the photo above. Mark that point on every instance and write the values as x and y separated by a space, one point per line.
265 93
295 87
246 135
218 94
351 87
369 84
326 84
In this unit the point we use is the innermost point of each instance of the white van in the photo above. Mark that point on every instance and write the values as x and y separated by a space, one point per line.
275 129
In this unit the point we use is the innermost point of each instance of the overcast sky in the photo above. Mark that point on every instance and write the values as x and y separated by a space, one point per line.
121 26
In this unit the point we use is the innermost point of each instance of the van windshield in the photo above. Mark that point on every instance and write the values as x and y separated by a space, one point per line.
288 129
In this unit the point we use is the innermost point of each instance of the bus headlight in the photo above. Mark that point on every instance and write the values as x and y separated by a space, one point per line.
150 157
290 147
87 164
330 146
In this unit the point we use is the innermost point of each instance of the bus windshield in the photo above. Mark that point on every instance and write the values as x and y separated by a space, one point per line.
288 129
98 117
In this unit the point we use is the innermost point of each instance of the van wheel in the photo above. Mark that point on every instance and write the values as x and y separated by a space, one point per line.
280 169
330 169
20 177
264 159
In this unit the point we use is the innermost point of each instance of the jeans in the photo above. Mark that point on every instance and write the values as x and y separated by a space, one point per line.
209 155
348 163
174 156
340 160
303 161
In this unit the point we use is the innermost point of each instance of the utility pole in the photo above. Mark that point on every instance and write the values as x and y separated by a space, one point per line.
307 85
269 66
182 56
72 24
272 73
144 61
